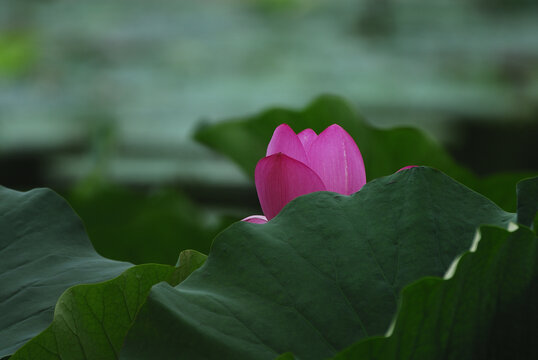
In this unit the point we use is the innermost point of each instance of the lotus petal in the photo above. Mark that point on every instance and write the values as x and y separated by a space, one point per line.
407 167
285 141
307 137
335 157
255 219
280 179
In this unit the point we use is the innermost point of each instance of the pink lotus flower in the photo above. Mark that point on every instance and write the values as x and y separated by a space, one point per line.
298 164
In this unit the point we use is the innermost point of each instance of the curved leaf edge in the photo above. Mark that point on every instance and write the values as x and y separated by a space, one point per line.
512 217
364 348
248 226
43 343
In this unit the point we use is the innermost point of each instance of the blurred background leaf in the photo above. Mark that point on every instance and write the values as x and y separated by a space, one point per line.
464 71
17 53
384 151
145 228
110 91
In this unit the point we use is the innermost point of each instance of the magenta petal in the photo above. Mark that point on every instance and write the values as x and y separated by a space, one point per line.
335 157
407 167
307 137
285 141
280 179
255 219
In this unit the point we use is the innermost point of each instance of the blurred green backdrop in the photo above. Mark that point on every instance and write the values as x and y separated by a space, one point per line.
106 94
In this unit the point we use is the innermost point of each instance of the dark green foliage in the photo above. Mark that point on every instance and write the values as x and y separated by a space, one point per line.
487 310
324 273
144 228
329 273
91 321
43 250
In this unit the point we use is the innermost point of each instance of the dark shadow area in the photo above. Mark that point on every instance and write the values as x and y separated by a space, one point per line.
488 148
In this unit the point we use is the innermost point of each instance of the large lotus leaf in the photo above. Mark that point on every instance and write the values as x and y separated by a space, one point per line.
143 228
321 275
43 251
91 321
486 310
384 150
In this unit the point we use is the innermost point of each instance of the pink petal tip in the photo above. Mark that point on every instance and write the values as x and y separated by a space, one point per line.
336 158
407 167
307 137
285 141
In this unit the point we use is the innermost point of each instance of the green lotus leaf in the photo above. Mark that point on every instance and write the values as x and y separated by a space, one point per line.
91 321
323 274
486 310
43 250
